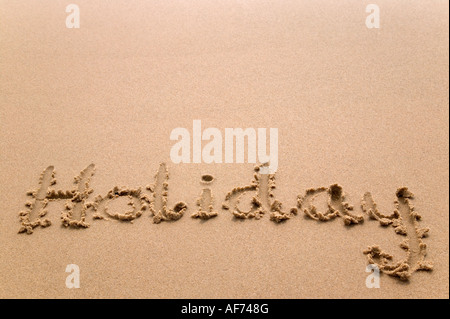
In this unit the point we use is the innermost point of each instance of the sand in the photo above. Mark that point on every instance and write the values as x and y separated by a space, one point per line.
362 117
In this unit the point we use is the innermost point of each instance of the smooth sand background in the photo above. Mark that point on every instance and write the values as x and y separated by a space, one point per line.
364 108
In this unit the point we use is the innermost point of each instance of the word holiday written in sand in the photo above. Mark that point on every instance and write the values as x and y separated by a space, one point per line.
154 198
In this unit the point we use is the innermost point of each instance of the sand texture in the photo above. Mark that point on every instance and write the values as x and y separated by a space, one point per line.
86 176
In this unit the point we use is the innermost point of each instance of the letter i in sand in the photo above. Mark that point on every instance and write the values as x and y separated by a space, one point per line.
205 202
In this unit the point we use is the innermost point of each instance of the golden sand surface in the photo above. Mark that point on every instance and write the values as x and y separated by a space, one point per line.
363 124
